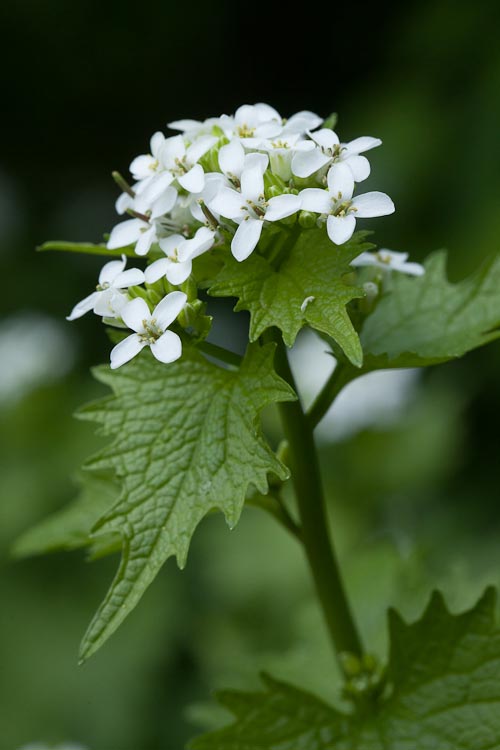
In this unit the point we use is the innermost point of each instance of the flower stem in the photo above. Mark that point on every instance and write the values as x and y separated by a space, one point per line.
223 355
314 525
340 377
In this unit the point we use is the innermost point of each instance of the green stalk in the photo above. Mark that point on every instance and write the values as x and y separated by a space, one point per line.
343 374
223 355
313 521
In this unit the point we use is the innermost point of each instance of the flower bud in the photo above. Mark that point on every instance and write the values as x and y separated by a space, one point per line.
307 219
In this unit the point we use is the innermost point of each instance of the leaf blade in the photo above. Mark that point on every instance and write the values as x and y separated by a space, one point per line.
308 289
185 441
444 693
428 320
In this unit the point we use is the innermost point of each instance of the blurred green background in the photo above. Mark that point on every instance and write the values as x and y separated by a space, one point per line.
413 484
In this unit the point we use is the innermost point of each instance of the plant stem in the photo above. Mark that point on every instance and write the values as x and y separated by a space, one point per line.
314 525
343 374
223 355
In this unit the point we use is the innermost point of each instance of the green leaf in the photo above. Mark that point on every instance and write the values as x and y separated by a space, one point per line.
186 441
427 320
86 248
443 693
310 277
70 528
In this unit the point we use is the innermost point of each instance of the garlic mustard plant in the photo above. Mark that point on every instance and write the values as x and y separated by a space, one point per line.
264 209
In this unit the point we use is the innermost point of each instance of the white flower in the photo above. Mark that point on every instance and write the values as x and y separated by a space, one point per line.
109 299
181 161
136 232
140 232
144 166
329 150
180 252
152 180
233 160
150 330
249 209
252 122
389 260
341 208
281 151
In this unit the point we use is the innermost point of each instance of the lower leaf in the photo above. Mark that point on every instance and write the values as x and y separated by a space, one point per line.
443 693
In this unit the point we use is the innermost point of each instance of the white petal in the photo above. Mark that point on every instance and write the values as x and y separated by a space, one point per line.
145 241
169 308
214 181
123 203
184 124
111 270
231 158
171 243
165 203
305 163
126 233
200 243
173 148
168 348
142 166
268 130
134 314
283 205
130 277
265 113
252 183
84 306
304 144
126 350
194 180
246 238
373 204
153 190
340 181
256 161
110 303
157 269
228 203
156 143
200 147
413 269
340 228
325 138
317 200
300 122
365 259
252 143
365 143
247 115
141 185
359 166
178 272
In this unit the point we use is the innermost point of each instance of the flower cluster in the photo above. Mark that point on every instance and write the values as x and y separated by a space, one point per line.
216 183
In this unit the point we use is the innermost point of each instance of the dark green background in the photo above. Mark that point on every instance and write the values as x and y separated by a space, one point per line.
83 86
